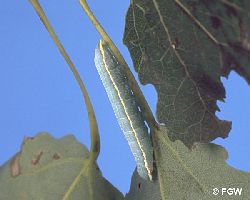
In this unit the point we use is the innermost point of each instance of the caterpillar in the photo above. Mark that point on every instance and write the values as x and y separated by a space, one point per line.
125 108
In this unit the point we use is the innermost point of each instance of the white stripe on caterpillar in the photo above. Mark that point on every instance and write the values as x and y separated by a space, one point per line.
125 108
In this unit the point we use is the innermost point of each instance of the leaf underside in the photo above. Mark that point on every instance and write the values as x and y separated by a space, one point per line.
189 174
183 48
46 168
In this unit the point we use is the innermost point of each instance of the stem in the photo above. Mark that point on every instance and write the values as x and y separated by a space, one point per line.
95 138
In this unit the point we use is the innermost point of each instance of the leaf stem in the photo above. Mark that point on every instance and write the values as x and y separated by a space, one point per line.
95 138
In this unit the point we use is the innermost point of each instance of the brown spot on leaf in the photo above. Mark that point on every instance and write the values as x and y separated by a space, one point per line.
15 168
215 22
56 156
36 160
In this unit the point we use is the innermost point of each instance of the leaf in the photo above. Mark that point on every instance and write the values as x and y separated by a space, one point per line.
178 54
189 174
229 23
46 168
140 189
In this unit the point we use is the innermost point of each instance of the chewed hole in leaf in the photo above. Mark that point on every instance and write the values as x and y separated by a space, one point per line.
236 108
139 185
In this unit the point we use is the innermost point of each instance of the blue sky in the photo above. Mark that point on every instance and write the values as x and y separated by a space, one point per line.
39 93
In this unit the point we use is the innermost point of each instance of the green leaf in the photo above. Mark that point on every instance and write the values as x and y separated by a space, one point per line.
140 189
46 168
189 174
174 48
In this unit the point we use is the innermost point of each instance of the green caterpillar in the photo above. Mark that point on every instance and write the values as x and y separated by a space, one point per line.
125 108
